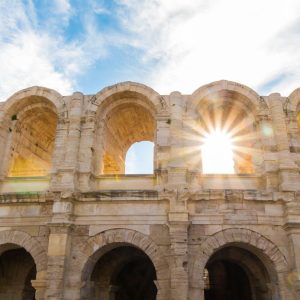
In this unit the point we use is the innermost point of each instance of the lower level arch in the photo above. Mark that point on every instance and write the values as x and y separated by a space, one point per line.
265 258
88 253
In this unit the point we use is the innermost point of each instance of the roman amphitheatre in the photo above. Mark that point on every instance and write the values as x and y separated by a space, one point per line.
75 226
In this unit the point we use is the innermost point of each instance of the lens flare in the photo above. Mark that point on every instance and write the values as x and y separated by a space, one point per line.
217 154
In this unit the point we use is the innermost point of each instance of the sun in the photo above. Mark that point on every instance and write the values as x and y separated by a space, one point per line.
217 153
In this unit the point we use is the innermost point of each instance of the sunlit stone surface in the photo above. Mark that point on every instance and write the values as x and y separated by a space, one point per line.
219 218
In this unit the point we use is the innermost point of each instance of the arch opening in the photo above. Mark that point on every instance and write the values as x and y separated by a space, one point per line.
123 126
17 269
228 137
236 273
33 130
122 273
139 158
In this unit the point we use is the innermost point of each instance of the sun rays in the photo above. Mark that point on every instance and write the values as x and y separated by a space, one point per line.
217 153
223 139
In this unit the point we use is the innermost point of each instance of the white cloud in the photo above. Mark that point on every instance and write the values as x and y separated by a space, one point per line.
62 6
31 54
186 43
197 42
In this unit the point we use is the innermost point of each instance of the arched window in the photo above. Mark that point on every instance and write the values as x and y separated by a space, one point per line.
127 124
32 130
139 158
227 137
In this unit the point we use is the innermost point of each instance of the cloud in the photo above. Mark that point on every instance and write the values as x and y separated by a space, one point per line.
36 51
194 42
180 45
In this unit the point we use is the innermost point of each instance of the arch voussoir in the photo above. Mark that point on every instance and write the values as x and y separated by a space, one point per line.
30 244
85 259
244 237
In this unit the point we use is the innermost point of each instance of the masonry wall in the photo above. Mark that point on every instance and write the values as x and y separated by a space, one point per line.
179 217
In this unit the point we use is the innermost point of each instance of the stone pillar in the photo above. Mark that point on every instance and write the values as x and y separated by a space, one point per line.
288 171
40 288
113 289
58 252
59 245
69 167
6 137
58 152
177 168
292 227
178 227
163 123
86 151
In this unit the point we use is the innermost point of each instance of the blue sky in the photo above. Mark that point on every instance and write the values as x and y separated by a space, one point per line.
77 45
170 45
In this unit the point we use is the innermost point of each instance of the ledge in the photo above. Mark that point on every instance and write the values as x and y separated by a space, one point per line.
108 195
24 197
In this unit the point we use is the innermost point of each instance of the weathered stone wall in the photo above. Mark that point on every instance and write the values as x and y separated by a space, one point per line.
83 206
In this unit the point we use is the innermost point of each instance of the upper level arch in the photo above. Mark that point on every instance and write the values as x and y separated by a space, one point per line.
242 95
141 93
126 113
293 101
28 130
229 109
25 97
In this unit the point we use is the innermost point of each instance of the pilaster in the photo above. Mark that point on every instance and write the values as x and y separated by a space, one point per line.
86 150
288 172
292 227
176 168
6 148
178 229
68 170
59 246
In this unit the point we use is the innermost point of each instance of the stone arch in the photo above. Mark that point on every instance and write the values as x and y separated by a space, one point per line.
132 87
29 243
36 109
234 107
270 255
293 100
12 103
248 96
91 250
125 113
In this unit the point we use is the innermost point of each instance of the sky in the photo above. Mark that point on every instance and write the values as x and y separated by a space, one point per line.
73 45
76 45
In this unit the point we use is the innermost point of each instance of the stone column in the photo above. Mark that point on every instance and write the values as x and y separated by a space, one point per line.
176 166
86 151
58 252
40 288
59 245
178 227
58 152
113 289
288 171
6 139
69 169
292 227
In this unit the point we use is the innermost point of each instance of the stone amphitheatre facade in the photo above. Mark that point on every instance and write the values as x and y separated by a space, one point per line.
74 226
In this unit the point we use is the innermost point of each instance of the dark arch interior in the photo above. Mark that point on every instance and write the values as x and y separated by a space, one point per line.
124 273
233 273
17 269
